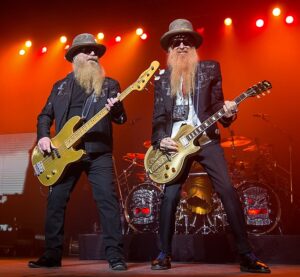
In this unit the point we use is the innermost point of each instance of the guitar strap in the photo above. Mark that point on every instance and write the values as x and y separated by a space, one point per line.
87 105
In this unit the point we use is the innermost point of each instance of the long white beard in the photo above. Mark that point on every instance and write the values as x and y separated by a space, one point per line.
90 75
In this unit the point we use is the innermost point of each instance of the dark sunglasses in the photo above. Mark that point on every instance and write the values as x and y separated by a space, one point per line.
87 50
186 40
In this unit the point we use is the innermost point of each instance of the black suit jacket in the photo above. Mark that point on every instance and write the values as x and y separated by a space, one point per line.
207 99
99 138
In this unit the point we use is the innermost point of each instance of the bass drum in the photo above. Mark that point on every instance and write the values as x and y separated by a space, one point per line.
142 207
261 206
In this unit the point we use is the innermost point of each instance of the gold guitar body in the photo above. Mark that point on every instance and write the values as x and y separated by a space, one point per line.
49 168
166 167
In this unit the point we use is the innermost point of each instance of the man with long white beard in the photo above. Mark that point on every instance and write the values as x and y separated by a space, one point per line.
189 92
83 92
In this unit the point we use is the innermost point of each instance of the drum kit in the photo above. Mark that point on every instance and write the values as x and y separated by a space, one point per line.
200 209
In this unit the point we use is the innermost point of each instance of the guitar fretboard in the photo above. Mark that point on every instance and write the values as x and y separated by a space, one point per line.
212 119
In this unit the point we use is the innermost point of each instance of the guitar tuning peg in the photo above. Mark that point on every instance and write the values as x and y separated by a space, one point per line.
258 96
161 71
263 94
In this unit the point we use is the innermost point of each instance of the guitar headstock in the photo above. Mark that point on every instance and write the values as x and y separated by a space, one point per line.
258 89
143 79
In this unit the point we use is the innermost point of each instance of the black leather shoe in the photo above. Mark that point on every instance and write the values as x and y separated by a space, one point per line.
117 264
250 263
162 262
44 262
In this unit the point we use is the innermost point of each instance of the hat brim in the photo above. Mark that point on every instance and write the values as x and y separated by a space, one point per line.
74 50
165 39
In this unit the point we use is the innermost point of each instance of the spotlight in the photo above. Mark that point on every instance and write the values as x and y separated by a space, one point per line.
22 52
118 39
259 23
228 21
144 36
63 39
139 31
28 43
44 50
100 36
276 11
289 19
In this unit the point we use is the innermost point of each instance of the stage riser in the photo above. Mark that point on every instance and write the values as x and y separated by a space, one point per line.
196 248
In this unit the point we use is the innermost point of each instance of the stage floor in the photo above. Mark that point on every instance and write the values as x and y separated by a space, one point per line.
10 267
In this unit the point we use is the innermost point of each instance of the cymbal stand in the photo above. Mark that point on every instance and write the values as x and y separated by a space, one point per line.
290 149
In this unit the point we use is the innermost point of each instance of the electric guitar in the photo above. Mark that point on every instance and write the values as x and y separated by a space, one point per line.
165 167
49 168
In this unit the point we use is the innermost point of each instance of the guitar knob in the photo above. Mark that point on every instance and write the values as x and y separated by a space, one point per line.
48 176
167 167
173 169
166 175
54 171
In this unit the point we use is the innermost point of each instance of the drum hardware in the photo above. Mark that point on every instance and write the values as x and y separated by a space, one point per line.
289 171
235 141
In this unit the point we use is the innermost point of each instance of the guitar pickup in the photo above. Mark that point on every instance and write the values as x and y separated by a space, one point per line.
38 168
184 141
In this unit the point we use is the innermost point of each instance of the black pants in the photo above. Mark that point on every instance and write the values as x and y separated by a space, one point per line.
99 169
213 161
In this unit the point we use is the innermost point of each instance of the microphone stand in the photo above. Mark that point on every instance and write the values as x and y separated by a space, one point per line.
290 170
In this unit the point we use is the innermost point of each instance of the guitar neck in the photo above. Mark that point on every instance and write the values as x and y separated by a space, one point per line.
80 132
198 131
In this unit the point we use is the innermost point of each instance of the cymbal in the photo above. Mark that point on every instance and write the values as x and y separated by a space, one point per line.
236 141
137 156
250 148
147 143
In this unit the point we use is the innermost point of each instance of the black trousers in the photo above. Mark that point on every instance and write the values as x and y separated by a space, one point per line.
99 169
213 161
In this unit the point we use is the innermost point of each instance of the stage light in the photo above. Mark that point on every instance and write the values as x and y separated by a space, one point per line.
144 36
200 30
100 36
118 39
28 43
289 19
276 11
139 31
44 50
259 23
22 52
228 21
63 39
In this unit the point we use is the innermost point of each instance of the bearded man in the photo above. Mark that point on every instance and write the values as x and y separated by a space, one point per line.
83 92
189 92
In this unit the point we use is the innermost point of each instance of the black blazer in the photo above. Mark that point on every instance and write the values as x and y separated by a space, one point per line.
207 99
99 138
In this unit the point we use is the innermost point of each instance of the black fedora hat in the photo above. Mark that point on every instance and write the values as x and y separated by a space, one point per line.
180 26
84 40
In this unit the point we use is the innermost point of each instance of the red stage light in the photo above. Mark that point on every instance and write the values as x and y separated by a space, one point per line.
28 43
289 19
22 52
259 23
139 31
118 39
44 50
63 39
276 11
228 21
144 36
100 36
